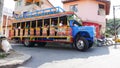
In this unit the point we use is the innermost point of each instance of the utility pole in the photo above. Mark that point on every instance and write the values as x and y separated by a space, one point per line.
115 23
1 15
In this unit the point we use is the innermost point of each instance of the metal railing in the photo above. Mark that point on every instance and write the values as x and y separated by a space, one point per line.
35 13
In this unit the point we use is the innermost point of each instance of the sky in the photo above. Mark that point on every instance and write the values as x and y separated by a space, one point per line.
10 4
117 9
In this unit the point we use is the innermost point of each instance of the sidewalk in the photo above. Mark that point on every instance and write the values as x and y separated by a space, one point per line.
110 60
13 60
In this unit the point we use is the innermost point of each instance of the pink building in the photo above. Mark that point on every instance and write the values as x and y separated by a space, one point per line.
92 12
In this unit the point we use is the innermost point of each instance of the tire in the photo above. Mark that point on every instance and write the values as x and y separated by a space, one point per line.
42 44
81 44
90 45
27 43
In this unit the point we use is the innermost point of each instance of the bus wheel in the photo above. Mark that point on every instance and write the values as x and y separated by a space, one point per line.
90 45
42 44
27 43
81 44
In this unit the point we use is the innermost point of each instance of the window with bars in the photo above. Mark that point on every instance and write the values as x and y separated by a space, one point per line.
101 9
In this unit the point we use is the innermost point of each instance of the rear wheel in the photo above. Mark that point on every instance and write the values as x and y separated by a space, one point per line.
28 43
81 43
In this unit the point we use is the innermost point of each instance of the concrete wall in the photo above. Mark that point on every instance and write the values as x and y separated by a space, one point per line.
88 11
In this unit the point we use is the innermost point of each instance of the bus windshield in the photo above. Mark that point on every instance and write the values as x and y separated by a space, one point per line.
76 18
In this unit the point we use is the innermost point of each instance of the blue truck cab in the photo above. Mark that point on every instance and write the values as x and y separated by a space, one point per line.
83 36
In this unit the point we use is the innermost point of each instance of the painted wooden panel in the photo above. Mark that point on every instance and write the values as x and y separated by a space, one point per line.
68 32
44 32
31 32
16 32
52 31
61 31
26 32
21 32
38 31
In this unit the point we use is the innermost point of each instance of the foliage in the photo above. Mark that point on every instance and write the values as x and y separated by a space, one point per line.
2 55
110 25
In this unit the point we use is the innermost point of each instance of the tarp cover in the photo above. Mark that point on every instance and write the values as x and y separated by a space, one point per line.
6 45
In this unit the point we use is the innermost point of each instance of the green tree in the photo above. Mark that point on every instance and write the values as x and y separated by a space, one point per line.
110 25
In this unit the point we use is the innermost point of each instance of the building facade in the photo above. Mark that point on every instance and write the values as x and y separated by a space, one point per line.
92 12
7 22
22 6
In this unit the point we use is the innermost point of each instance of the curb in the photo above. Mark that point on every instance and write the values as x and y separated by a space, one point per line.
14 59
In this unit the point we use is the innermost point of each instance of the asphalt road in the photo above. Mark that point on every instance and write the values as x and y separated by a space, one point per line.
57 52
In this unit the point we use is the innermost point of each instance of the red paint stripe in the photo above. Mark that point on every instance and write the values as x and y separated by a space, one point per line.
51 41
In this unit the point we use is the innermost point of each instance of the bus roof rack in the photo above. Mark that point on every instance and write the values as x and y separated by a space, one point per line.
35 13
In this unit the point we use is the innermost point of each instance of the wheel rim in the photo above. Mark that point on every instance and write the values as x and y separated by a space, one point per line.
80 44
26 42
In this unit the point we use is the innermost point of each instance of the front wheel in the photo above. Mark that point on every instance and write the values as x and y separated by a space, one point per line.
90 45
81 44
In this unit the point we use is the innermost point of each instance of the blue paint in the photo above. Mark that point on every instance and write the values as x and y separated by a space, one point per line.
85 31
